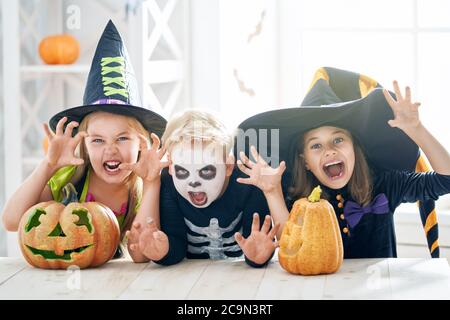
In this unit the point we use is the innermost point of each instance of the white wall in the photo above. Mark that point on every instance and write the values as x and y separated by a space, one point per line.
234 57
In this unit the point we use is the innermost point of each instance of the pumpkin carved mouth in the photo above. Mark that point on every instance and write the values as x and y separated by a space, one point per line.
52 255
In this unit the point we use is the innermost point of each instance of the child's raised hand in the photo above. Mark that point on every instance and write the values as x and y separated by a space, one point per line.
260 173
61 145
406 113
153 243
149 165
260 244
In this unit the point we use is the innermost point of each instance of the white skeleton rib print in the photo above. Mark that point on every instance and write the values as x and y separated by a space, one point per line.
214 235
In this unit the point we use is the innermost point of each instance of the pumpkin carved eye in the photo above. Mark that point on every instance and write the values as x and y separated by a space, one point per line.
33 221
83 220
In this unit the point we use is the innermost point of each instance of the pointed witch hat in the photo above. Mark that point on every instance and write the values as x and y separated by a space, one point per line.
342 99
112 86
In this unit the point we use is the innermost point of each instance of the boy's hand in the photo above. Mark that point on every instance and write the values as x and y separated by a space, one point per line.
260 244
149 165
260 173
406 113
61 145
153 243
132 236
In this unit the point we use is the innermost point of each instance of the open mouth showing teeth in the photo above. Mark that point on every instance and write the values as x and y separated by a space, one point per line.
111 166
198 198
334 170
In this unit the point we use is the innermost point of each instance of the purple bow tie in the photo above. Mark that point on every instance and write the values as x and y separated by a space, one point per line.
353 212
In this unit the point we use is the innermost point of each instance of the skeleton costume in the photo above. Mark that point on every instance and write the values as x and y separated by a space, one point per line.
208 232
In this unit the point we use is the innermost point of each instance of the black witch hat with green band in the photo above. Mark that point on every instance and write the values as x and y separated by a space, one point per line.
342 99
112 86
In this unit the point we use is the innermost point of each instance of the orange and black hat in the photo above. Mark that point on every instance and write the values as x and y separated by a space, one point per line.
336 98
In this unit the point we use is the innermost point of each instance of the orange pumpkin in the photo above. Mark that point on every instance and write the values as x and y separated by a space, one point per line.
311 242
54 235
59 49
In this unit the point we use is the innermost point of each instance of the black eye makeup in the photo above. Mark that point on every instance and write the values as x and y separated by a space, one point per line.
208 172
181 173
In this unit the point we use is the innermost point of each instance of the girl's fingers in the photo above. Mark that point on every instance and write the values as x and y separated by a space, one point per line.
392 123
397 91
69 128
257 156
408 94
255 223
244 180
239 239
77 161
274 231
133 247
48 132
162 152
143 142
246 160
243 168
266 225
60 126
254 153
282 166
79 136
389 98
155 141
164 164
127 166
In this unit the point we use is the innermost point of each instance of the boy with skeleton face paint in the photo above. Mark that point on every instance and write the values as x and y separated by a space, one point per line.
204 211
198 171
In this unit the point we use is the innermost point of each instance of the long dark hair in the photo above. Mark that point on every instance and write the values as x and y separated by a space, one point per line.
359 186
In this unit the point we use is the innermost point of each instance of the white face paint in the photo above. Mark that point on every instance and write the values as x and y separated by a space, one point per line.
198 172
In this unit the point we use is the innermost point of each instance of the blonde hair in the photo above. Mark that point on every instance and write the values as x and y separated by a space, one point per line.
134 182
196 125
359 186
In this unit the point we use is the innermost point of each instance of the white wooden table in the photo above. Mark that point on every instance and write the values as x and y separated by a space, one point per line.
231 279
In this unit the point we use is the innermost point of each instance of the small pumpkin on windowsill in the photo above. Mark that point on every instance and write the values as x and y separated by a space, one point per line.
55 235
311 242
59 49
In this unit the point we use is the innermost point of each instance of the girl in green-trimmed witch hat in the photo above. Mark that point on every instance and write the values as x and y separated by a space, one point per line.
108 148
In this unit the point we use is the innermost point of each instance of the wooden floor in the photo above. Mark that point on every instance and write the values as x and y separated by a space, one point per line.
231 279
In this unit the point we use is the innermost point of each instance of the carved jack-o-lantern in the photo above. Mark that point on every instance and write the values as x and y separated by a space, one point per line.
311 242
55 236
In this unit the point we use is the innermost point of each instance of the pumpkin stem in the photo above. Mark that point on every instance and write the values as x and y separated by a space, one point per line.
315 195
69 194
